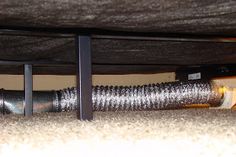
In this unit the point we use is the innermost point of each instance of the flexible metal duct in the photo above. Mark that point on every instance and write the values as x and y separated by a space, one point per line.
113 98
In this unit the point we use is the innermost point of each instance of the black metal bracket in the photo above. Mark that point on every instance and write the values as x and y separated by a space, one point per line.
84 77
28 87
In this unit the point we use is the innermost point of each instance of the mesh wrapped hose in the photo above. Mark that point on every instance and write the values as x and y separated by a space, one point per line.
146 97
114 98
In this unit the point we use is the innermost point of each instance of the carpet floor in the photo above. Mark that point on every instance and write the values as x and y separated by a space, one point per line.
188 132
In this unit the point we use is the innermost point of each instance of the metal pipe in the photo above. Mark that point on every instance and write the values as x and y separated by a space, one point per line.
114 98
13 101
28 88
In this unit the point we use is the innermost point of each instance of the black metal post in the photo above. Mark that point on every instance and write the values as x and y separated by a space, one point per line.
84 78
28 87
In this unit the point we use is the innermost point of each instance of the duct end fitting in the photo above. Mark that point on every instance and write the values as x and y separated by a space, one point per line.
228 97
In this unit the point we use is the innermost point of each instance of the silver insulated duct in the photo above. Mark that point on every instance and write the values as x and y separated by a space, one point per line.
114 98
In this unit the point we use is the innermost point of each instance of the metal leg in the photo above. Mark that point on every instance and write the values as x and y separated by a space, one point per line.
84 78
28 86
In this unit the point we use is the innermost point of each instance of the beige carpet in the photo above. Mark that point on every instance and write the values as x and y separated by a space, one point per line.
190 132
